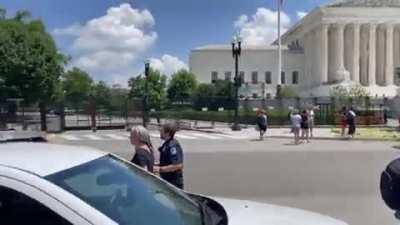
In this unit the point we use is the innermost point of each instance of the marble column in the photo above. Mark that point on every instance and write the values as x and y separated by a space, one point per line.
341 73
372 55
364 40
356 53
389 70
325 53
380 54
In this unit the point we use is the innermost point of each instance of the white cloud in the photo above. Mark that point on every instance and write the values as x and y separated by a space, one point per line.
111 44
167 64
261 28
301 14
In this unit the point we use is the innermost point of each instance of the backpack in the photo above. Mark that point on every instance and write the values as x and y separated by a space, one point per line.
390 185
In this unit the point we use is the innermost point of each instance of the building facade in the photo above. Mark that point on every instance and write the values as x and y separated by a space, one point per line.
347 42
257 67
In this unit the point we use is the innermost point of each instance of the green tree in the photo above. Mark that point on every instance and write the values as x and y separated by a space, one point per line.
156 89
2 14
205 91
288 92
30 64
77 86
182 86
22 15
119 97
102 95
347 95
223 88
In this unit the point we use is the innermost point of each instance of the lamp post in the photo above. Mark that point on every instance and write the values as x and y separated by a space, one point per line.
146 91
236 52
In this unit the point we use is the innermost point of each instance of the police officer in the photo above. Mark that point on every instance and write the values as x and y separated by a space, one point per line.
171 157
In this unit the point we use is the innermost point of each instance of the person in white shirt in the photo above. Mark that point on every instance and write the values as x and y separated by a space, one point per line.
296 125
311 123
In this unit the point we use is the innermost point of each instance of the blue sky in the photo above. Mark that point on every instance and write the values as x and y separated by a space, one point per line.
171 28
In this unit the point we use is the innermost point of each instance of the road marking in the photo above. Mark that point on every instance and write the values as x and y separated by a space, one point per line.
70 137
185 137
205 136
126 134
93 137
115 136
229 136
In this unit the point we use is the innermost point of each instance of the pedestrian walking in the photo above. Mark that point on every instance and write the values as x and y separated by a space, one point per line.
305 126
296 125
351 121
343 121
261 122
171 157
291 113
311 122
385 116
144 153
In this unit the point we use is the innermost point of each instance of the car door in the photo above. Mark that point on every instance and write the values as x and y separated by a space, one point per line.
21 203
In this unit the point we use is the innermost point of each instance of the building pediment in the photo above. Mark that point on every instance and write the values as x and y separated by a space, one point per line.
364 3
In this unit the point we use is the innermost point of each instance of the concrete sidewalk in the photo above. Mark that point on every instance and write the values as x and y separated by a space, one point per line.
284 133
319 133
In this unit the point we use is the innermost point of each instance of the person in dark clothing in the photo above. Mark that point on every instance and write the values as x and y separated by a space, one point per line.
343 121
351 121
171 157
305 127
144 153
261 123
385 116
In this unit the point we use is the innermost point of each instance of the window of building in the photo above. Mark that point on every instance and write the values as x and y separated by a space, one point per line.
242 76
254 77
268 95
283 78
255 95
17 208
268 77
214 76
295 77
228 76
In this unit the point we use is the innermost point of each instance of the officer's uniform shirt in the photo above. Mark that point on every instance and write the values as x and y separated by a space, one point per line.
171 154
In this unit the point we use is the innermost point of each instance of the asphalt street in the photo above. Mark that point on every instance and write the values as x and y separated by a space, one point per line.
335 178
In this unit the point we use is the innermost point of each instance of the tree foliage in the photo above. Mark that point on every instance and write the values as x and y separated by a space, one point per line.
77 85
205 91
182 86
156 88
220 88
30 64
350 95
102 95
224 88
355 91
288 92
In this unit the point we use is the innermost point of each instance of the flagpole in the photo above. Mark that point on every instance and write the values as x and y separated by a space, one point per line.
279 48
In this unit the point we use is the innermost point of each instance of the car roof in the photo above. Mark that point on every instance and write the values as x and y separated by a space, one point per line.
45 159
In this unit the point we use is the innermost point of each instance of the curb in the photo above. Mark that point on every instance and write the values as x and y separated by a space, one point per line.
336 139
314 138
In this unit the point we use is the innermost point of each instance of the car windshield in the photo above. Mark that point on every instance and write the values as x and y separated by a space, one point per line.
128 195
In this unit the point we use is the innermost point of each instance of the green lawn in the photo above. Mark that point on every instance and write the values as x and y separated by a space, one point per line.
384 134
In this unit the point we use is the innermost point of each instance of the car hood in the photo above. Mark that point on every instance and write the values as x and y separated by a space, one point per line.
253 213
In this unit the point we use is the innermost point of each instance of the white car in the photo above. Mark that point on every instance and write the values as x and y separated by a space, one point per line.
46 184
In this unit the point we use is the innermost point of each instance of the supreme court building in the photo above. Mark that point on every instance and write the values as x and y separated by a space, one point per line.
344 42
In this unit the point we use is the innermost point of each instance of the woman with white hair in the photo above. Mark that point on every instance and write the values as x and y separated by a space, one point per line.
144 154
